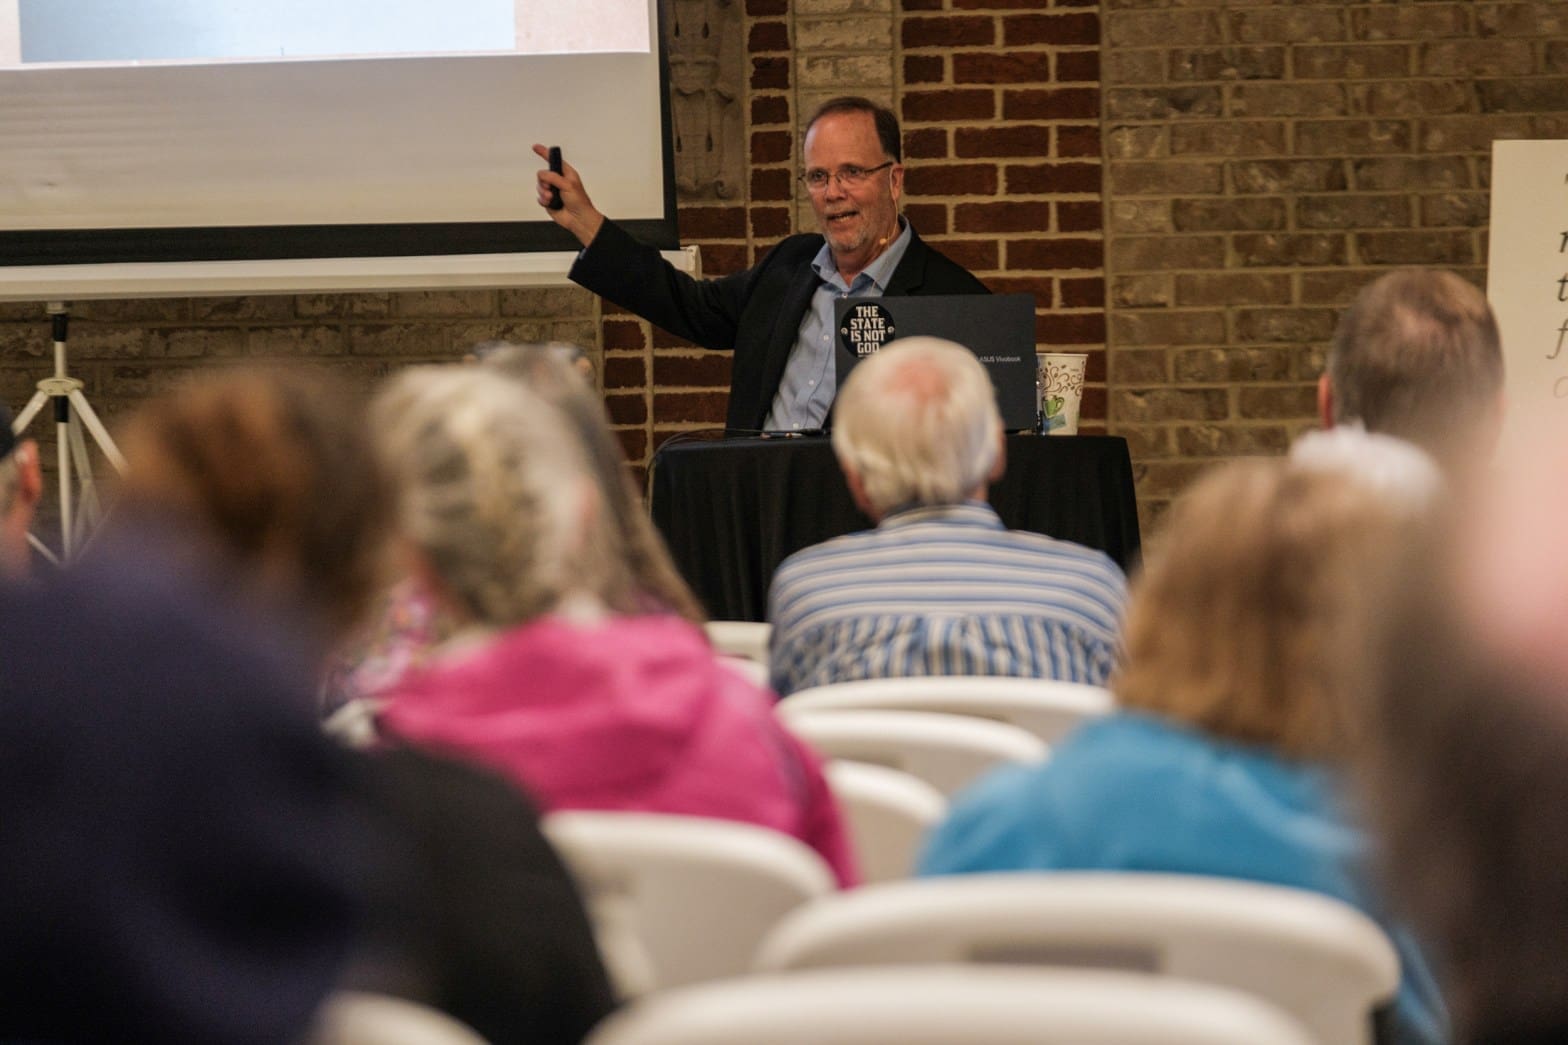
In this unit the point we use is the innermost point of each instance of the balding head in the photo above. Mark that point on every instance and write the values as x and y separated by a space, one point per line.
917 424
1417 355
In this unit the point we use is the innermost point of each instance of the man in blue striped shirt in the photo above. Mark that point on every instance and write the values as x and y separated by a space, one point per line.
941 586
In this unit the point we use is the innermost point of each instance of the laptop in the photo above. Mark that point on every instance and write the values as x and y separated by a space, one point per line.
997 328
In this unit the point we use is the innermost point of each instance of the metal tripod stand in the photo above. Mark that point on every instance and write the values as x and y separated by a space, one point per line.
80 506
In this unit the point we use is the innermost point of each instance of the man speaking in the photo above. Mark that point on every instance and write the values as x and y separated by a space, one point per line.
778 315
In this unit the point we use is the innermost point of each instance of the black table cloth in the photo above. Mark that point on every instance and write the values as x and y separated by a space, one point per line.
731 510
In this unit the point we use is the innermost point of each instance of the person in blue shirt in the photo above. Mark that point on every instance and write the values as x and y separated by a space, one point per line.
1243 663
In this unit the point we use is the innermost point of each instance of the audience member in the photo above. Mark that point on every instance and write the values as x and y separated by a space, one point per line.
650 583
1417 355
1468 764
1238 691
940 587
408 623
473 912
273 474
560 351
587 709
469 910
178 866
21 485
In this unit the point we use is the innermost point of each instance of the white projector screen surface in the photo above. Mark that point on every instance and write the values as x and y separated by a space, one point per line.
194 130
196 30
109 31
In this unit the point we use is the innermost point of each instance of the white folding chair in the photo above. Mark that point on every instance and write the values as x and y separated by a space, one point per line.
1045 707
367 1018
943 1004
946 751
740 638
354 724
693 896
1323 962
753 671
888 814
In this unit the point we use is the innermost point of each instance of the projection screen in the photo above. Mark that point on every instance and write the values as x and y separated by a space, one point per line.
266 138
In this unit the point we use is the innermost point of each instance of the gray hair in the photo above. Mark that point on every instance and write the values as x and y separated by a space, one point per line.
493 488
519 356
1418 355
1402 473
640 574
918 423
885 120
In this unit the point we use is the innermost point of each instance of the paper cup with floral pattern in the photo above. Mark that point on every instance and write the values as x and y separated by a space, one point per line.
1061 391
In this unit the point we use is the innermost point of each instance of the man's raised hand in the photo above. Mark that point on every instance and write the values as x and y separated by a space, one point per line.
577 213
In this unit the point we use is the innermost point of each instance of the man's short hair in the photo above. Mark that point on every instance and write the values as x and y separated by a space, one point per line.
886 122
272 468
918 423
1417 355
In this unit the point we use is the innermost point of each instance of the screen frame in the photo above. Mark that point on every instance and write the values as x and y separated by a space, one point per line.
70 247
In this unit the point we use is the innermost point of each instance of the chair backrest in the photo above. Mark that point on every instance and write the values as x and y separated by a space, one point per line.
946 751
1320 960
366 1018
1045 707
740 638
941 1005
888 813
696 895
354 724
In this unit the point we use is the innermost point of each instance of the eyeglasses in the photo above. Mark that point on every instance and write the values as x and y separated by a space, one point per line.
848 176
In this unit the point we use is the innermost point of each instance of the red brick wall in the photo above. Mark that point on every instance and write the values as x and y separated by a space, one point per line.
1260 163
1000 103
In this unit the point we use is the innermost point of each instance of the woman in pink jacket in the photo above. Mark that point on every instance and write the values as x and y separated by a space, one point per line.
585 708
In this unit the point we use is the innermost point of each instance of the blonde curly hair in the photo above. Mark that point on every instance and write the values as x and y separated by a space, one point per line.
1250 619
494 490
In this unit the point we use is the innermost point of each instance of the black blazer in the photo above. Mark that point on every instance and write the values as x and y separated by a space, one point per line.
468 909
756 313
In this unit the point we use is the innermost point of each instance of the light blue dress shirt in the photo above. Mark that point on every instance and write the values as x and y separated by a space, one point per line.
810 379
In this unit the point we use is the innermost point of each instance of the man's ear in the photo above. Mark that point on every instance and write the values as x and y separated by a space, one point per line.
999 466
1325 401
896 182
857 491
